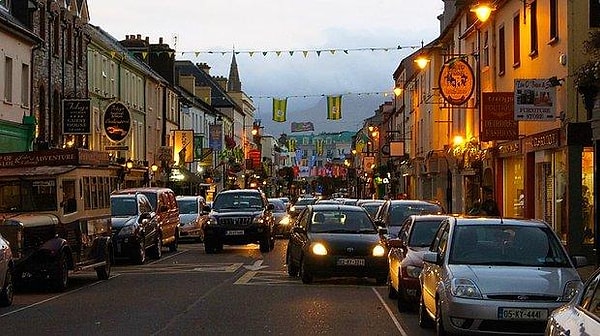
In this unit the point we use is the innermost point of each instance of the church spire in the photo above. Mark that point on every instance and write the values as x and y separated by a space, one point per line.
233 83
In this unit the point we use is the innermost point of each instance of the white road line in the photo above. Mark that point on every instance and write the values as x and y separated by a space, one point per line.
55 297
392 316
244 279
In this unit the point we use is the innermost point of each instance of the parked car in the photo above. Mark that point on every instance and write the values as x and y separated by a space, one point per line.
300 204
192 216
371 205
406 258
495 276
336 240
238 217
167 212
134 228
392 213
581 316
6 271
281 217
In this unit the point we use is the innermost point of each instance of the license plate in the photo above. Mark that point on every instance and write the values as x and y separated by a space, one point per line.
234 233
351 262
522 314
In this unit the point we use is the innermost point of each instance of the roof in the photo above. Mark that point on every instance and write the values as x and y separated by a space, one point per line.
492 221
326 206
219 97
233 191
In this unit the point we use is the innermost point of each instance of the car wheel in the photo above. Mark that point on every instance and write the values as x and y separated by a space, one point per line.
292 269
424 319
7 292
174 245
439 321
61 278
209 247
140 254
103 272
392 293
304 274
157 248
264 245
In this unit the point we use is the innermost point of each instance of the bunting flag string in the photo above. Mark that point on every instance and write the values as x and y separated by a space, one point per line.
384 93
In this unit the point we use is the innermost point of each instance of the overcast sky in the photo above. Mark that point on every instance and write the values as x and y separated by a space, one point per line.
194 27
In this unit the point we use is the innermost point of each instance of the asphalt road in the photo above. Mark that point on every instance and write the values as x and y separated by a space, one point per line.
238 292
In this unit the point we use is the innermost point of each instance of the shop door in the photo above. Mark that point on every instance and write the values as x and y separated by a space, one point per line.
545 192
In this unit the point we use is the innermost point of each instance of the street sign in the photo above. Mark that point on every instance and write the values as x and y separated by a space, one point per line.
116 148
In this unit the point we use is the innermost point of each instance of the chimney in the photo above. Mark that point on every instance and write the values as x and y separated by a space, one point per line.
204 67
222 81
147 40
139 37
160 40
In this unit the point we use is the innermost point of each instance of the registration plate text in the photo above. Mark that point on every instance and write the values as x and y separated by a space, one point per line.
234 233
522 314
351 262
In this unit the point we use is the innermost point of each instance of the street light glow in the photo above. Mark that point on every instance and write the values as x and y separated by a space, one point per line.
483 10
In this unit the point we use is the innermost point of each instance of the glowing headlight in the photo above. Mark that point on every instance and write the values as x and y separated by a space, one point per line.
127 230
212 221
285 221
378 251
319 249
465 288
258 220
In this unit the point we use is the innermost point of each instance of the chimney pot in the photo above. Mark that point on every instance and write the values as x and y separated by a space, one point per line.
139 36
160 40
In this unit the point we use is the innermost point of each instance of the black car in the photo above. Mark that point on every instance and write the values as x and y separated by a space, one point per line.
134 227
238 217
300 204
336 240
393 213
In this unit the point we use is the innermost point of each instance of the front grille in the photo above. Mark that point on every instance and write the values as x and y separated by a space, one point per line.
235 222
524 298
34 237
528 327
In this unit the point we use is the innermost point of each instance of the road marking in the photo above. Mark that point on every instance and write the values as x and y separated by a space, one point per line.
256 266
181 268
244 279
56 297
392 316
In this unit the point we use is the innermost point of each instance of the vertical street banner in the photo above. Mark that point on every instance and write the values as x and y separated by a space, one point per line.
497 117
279 109
535 99
334 107
215 135
184 147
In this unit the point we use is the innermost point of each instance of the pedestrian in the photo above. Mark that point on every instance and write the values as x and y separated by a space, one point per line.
489 207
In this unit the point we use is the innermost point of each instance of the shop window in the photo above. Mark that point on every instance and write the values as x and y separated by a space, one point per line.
560 185
587 194
514 195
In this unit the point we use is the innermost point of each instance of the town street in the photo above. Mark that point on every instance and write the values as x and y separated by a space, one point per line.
238 291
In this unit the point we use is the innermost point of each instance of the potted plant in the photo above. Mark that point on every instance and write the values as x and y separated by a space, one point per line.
587 78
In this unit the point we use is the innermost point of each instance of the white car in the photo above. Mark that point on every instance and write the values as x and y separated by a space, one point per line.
497 276
581 316
6 268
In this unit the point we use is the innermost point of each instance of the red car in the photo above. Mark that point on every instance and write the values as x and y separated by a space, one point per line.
406 258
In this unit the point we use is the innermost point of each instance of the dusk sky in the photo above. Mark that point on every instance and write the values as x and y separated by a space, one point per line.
195 27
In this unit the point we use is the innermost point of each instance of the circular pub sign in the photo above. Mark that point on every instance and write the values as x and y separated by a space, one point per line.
117 121
456 81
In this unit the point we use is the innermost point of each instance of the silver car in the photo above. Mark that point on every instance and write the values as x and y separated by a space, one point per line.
6 269
498 276
581 316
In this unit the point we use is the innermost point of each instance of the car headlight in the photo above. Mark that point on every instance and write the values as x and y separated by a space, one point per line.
413 271
319 249
285 221
212 221
258 220
378 251
127 230
570 290
465 288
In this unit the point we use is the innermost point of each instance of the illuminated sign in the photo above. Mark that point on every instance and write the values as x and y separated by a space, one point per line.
456 81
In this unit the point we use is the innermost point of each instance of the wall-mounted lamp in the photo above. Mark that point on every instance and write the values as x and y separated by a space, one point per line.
154 167
129 164
483 10
398 91
422 62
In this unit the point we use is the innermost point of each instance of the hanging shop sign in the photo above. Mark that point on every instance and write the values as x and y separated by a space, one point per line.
497 117
215 136
535 99
76 116
184 146
117 121
456 81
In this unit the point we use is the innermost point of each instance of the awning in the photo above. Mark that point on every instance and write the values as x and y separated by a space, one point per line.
35 171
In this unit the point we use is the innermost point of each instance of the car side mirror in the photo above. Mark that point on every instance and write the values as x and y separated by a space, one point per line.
270 207
579 261
431 257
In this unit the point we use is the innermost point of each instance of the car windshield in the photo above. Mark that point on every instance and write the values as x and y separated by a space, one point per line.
400 212
121 206
507 246
341 221
188 206
278 205
237 201
305 201
423 232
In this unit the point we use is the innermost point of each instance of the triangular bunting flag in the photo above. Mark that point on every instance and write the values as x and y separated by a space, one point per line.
318 52
291 53
278 53
251 53
197 53
334 107
279 109
332 51
112 54
305 53
265 53
144 54
345 51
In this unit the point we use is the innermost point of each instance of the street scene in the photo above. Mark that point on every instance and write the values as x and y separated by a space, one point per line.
213 168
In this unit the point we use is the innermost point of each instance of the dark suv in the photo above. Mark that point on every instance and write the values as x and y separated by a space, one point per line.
134 227
239 217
